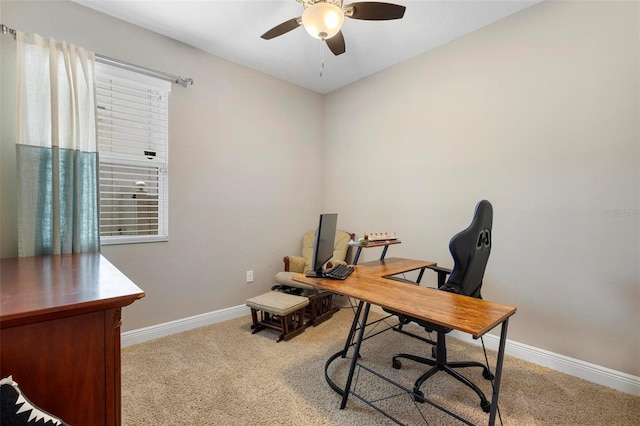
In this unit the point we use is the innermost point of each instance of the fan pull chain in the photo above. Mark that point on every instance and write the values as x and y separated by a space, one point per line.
321 56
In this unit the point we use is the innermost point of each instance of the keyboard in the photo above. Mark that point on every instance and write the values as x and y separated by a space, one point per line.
340 272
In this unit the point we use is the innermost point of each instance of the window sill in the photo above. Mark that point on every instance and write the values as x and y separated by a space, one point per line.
110 241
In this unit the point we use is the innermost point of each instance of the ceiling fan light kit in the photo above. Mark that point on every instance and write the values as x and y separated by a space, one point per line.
323 19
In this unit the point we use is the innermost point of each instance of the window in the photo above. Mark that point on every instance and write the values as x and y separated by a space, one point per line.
133 142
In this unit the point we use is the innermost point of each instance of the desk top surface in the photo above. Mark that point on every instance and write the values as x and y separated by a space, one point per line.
368 283
53 285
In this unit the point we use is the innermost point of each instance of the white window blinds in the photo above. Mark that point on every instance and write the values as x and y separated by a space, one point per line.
132 121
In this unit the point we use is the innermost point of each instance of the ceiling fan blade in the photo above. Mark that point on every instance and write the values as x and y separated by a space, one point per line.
374 11
336 44
283 28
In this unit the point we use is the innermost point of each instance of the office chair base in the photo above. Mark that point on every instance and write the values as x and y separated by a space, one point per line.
447 367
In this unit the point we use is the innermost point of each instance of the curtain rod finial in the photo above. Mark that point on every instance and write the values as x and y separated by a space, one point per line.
184 82
4 30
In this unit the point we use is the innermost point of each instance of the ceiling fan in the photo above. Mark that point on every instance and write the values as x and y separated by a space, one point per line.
323 19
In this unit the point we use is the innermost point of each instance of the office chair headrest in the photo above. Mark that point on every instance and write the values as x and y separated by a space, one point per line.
470 249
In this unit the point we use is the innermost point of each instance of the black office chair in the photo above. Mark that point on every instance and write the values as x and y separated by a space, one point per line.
470 249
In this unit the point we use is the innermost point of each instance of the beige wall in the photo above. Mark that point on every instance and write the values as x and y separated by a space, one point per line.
538 113
238 165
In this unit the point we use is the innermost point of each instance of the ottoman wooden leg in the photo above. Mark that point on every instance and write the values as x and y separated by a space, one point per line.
321 307
292 325
256 324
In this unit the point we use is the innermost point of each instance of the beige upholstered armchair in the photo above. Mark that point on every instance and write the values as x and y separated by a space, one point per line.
320 302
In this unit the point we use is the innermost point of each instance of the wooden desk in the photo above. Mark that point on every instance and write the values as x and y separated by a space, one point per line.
368 283
60 333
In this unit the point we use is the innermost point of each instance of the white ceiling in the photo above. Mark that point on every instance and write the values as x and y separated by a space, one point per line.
231 29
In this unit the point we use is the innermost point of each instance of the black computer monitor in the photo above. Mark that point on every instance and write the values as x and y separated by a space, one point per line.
324 243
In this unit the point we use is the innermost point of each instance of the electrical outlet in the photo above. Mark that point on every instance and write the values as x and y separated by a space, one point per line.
249 276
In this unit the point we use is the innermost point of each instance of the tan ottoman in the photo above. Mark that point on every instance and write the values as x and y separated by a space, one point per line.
280 311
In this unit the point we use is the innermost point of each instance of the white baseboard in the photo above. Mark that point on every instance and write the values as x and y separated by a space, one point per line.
594 373
575 367
140 335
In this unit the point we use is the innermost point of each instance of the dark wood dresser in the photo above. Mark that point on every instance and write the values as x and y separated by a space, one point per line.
60 333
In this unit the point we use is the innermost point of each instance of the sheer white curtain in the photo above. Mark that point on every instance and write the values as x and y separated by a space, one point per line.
56 148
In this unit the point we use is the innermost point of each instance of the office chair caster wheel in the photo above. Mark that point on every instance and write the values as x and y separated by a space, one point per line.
486 406
418 396
487 374
396 364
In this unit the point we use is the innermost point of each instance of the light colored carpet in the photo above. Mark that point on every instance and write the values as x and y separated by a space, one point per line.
224 375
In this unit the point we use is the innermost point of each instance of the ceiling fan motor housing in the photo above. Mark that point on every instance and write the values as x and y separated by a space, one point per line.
307 3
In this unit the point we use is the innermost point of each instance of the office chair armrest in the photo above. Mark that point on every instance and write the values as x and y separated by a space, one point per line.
442 274
294 264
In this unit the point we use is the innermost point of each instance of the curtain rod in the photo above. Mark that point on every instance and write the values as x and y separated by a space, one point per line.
182 81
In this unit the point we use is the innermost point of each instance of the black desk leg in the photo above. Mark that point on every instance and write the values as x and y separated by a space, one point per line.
356 353
357 256
496 383
354 324
384 252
